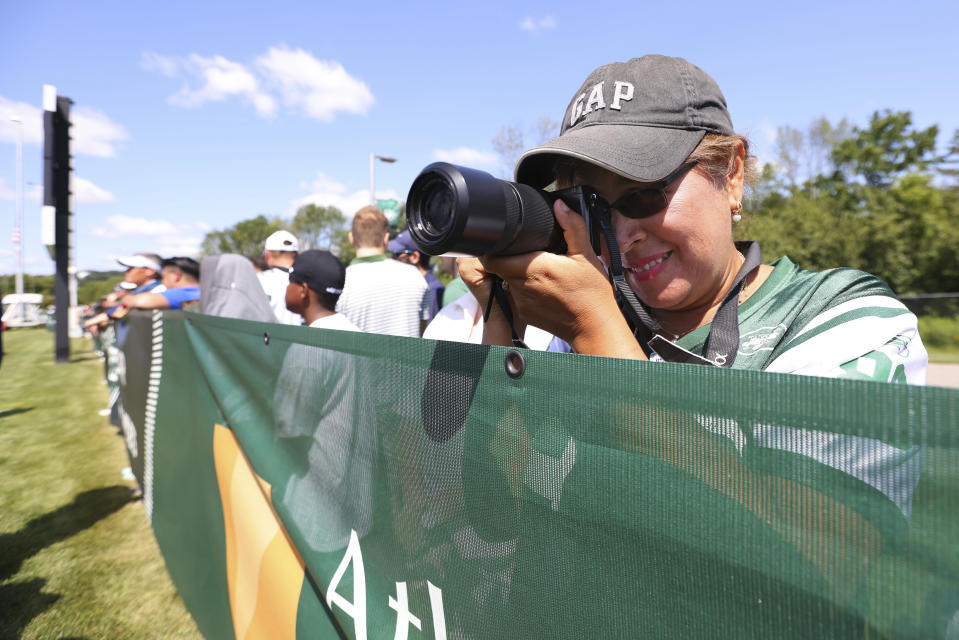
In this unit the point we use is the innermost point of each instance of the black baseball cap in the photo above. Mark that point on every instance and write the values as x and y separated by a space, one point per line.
640 119
320 270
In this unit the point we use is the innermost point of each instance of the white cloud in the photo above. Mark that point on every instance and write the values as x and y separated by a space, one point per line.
160 236
155 62
126 226
220 78
534 25
93 133
466 156
325 192
86 192
318 88
29 115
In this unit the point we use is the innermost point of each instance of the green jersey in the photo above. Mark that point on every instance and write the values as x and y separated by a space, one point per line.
835 323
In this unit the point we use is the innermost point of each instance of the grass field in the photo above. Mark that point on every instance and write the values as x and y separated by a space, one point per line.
77 555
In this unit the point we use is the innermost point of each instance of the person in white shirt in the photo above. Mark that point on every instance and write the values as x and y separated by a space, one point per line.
382 295
279 250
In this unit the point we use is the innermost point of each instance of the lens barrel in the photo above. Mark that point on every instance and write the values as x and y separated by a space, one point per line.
457 210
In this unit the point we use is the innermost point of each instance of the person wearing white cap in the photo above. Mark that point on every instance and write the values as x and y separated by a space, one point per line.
280 250
142 275
143 270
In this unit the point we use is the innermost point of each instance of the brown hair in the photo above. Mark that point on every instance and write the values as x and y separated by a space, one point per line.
368 227
715 156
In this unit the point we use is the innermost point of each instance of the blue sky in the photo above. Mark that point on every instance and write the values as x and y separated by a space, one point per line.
191 117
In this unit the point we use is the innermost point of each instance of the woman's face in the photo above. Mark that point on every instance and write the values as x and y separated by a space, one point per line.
683 257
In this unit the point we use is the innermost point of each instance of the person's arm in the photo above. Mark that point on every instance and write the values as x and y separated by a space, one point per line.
567 295
146 301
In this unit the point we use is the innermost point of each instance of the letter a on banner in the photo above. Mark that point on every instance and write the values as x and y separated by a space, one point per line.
357 608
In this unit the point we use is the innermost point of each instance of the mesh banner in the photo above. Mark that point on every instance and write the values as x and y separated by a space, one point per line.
313 483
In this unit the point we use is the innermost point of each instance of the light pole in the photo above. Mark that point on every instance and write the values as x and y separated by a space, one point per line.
373 158
18 229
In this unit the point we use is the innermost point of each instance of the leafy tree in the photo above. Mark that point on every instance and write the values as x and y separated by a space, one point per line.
91 291
508 145
874 207
803 155
887 148
317 227
245 238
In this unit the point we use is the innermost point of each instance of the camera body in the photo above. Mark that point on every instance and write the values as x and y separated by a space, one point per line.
453 210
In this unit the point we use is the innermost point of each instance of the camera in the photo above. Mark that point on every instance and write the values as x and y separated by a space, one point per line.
460 211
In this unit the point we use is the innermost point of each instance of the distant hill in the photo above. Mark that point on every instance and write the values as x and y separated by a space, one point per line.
92 287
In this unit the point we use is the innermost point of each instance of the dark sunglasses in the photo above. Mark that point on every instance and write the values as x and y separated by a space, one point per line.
649 200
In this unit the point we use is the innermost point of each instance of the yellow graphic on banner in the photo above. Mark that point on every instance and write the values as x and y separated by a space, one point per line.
264 570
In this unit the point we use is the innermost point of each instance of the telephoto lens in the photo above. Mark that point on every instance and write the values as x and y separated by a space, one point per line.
455 210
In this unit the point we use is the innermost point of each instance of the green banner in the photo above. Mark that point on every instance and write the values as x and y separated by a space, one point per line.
315 483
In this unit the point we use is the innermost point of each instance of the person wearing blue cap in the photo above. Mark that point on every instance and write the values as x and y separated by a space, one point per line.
405 250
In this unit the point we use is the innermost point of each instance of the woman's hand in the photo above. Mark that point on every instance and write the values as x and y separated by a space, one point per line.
567 295
496 328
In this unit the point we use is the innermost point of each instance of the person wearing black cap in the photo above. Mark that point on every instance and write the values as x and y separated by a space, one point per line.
316 282
405 250
322 415
654 138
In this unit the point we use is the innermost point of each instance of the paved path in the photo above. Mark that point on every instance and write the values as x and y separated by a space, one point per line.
943 375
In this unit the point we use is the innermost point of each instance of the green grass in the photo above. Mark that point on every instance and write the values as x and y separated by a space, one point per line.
77 555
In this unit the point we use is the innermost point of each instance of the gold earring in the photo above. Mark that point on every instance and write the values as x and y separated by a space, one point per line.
737 212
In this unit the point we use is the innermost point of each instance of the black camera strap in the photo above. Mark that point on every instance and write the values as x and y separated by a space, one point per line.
723 340
499 293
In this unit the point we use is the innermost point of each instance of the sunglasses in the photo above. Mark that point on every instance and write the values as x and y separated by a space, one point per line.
649 200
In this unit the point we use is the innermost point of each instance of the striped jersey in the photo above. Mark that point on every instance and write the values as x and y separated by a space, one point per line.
839 323
384 296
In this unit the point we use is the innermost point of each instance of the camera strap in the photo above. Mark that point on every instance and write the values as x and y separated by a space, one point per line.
499 293
723 340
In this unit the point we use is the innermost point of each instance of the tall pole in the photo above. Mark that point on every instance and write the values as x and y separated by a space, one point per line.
373 158
18 229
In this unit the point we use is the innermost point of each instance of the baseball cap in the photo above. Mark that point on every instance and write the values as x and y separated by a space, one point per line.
640 119
320 270
281 241
131 262
402 243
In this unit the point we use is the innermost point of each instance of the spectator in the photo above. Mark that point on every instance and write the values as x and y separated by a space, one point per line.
143 270
455 287
324 421
316 282
181 277
259 263
381 295
462 321
279 250
405 250
229 289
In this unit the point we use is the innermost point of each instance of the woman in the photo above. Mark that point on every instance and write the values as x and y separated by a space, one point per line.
654 138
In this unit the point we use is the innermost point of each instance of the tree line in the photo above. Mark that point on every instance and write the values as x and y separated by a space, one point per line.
315 227
879 198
